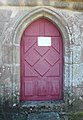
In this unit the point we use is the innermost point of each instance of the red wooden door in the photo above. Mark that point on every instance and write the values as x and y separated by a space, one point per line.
41 66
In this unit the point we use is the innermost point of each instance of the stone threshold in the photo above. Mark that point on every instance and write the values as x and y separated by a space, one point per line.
22 113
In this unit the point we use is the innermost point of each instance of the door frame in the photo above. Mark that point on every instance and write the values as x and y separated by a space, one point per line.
21 25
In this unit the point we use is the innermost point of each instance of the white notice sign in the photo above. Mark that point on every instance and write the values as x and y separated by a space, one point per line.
44 41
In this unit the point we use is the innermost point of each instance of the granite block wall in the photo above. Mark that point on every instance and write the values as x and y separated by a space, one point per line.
10 18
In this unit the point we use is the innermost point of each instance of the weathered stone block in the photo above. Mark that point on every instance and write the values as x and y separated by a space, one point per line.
68 57
0 52
5 74
76 54
78 92
44 116
7 54
82 54
77 74
66 77
12 2
5 15
16 58
30 2
2 95
2 24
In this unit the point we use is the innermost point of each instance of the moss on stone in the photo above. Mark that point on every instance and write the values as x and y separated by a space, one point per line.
76 116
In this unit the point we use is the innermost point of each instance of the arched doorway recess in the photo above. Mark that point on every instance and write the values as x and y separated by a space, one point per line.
41 63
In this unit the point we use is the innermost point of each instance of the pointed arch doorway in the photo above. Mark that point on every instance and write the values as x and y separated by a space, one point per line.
41 62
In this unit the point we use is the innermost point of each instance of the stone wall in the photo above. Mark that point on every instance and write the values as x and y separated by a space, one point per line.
71 22
63 4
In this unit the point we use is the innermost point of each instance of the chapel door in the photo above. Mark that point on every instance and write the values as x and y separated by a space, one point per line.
41 62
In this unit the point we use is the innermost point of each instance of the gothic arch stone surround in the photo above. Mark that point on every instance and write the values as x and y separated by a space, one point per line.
20 26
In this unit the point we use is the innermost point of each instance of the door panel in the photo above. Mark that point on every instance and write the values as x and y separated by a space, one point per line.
41 66
53 31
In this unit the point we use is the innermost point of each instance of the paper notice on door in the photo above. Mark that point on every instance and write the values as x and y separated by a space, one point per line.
44 41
